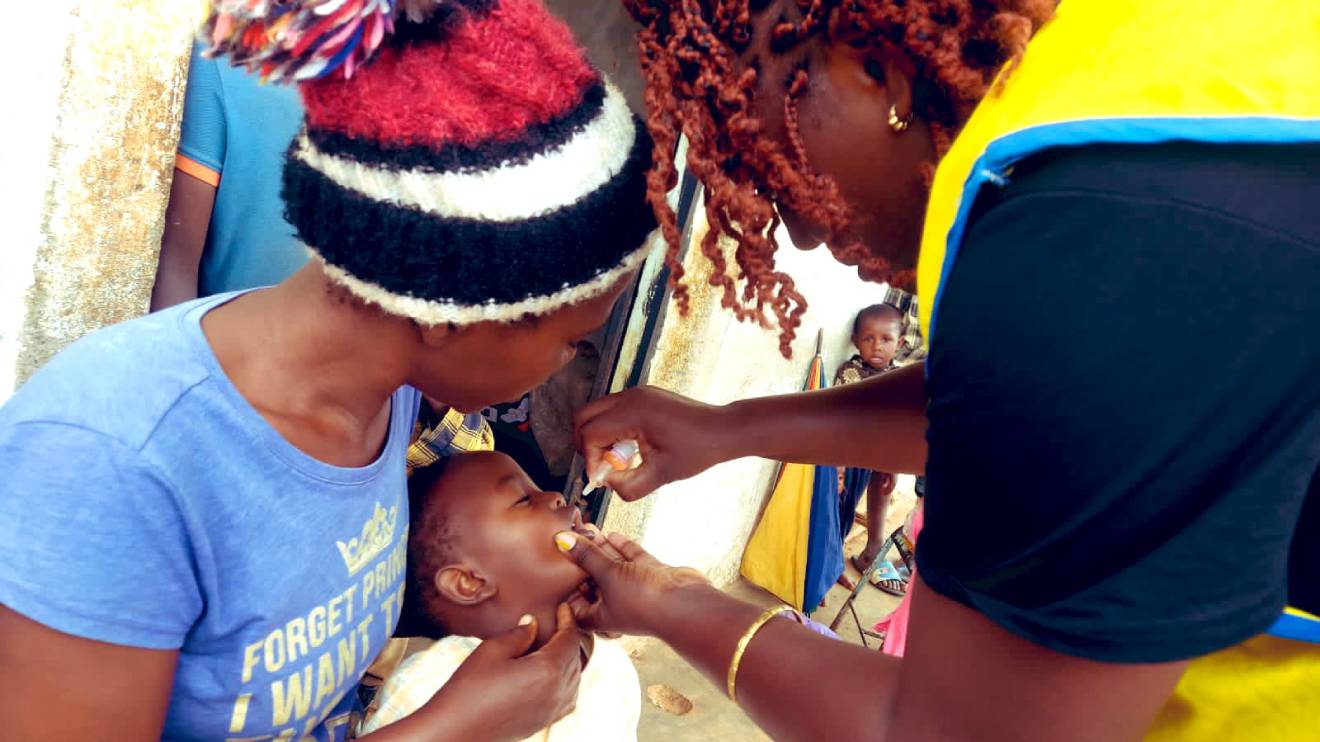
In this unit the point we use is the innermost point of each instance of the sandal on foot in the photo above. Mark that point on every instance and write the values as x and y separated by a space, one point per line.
887 578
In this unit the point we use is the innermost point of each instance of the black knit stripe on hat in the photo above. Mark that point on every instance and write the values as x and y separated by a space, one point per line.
530 142
470 262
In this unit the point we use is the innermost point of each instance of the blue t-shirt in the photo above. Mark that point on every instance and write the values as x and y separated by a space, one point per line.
241 129
146 503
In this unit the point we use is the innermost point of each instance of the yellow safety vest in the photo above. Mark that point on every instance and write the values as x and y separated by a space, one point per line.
1145 72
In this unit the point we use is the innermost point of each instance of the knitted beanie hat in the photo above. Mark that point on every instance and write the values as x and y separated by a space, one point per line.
461 161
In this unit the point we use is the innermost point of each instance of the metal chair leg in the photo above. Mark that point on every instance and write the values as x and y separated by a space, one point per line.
861 584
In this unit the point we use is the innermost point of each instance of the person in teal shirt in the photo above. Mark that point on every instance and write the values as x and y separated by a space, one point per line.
225 228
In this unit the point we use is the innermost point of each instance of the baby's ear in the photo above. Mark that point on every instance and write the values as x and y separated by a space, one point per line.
462 584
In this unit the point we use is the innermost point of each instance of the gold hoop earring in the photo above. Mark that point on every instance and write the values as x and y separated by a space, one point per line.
899 125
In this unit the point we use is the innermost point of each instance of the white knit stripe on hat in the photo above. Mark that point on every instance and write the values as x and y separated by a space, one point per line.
549 181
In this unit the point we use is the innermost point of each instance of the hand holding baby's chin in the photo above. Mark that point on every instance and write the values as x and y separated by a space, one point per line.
505 692
632 587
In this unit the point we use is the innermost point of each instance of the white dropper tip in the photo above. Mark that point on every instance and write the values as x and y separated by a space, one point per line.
596 479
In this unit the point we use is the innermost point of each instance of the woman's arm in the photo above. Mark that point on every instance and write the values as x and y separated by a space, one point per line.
878 424
61 687
203 145
187 220
963 678
793 682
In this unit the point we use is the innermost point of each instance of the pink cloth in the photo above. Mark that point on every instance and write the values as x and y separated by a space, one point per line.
896 624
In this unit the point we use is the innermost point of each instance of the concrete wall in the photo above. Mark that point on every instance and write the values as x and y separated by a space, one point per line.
96 90
705 522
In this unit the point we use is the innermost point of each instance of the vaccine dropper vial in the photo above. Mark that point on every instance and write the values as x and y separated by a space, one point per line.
619 457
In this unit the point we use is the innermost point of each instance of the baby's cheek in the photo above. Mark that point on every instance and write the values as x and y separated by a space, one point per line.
567 569
550 587
567 575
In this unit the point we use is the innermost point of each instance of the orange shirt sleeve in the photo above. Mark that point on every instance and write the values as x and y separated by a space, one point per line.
197 170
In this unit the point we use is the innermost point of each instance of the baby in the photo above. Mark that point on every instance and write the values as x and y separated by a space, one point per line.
481 555
878 337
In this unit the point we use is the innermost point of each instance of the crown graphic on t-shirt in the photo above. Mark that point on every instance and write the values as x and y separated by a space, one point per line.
377 535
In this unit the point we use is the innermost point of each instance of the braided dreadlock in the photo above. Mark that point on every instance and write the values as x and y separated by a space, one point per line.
697 87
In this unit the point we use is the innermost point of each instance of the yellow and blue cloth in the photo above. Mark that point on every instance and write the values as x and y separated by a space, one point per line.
794 551
1266 688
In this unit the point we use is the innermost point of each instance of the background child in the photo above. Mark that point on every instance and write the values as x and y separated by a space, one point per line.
481 556
225 228
878 337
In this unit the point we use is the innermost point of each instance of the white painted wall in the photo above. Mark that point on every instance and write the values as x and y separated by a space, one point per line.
38 53
705 522
96 93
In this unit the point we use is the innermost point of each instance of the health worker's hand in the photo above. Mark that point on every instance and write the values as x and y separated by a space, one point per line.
676 436
632 591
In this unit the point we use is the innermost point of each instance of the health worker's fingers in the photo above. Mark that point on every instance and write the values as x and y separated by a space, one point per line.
631 550
595 562
594 429
634 484
593 532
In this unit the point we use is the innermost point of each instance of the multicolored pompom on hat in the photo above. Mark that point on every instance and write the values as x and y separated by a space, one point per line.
461 160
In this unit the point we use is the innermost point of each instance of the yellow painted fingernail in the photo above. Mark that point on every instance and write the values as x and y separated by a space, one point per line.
565 541
526 620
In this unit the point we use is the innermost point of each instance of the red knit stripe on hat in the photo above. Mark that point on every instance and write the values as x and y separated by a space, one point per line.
493 77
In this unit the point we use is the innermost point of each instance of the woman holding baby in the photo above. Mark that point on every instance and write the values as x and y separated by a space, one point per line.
204 519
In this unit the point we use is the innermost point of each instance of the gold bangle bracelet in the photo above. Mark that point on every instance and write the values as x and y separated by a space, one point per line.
746 639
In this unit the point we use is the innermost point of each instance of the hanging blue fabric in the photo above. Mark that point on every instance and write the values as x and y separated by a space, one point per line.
825 535
824 554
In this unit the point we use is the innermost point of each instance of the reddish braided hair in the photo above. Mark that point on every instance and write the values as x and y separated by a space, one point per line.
696 86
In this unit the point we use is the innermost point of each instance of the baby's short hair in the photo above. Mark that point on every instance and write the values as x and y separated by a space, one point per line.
430 547
877 310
